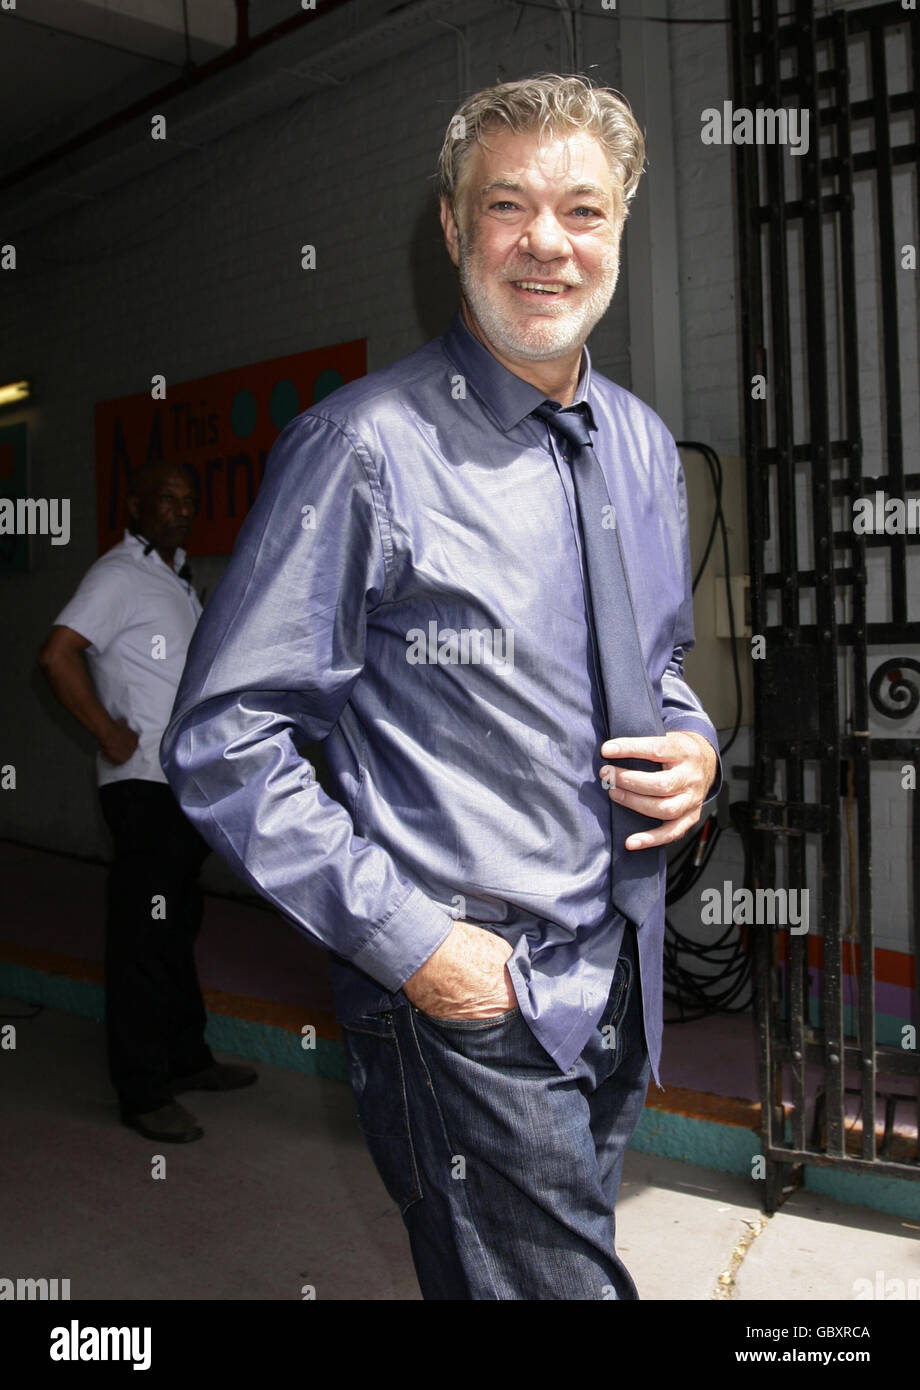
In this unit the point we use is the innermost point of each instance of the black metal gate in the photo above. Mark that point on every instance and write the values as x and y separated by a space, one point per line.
826 274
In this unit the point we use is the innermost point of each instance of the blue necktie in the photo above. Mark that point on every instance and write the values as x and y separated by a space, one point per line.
632 710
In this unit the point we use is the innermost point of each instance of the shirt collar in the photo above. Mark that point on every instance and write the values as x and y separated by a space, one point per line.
509 398
140 544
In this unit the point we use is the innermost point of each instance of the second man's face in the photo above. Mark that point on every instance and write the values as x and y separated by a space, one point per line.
538 244
167 510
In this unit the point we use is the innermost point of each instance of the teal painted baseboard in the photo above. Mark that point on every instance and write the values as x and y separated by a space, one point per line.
703 1143
52 991
727 1148
260 1042
732 1149
897 1196
263 1042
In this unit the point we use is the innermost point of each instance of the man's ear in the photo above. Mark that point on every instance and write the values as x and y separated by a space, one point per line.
451 231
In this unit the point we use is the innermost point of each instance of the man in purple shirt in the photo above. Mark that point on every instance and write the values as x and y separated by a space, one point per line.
410 589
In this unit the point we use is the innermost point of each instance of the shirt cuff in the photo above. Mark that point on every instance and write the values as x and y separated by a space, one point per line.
404 941
693 724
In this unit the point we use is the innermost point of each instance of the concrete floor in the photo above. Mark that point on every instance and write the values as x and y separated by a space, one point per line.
281 1193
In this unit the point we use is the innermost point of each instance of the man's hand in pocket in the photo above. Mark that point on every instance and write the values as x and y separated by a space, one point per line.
465 977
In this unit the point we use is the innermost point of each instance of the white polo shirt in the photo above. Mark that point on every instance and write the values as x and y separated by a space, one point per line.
138 616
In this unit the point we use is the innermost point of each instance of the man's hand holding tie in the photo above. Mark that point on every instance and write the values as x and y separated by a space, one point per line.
673 795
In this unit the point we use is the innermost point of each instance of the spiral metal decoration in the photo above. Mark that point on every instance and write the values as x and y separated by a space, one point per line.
892 692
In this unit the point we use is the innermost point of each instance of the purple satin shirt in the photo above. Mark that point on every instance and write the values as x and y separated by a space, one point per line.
407 589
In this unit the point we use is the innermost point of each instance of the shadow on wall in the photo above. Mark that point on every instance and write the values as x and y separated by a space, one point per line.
434 277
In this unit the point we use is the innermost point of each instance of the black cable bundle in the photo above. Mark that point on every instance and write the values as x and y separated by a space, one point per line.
699 993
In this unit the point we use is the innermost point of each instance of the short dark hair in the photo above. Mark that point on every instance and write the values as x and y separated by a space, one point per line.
146 476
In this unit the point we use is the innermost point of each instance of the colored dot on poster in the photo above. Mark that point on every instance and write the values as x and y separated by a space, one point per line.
243 414
284 403
7 461
328 381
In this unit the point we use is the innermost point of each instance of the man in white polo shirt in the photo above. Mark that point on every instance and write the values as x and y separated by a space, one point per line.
133 615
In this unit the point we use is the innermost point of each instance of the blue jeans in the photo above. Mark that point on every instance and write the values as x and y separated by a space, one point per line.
506 1171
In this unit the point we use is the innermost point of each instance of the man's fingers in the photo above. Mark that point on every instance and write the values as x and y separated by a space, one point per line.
668 782
659 807
655 749
672 795
666 834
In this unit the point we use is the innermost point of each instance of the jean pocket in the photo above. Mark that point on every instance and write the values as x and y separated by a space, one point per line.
471 1025
375 1072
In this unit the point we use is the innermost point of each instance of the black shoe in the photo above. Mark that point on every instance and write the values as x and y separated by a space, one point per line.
220 1076
171 1124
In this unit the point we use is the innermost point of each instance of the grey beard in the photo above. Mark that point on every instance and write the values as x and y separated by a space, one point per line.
494 327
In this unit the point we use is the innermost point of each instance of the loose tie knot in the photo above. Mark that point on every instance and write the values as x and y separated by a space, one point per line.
570 422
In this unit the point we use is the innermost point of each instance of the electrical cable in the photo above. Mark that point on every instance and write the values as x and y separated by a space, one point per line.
727 962
714 464
701 979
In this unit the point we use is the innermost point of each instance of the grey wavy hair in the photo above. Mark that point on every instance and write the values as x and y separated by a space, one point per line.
549 104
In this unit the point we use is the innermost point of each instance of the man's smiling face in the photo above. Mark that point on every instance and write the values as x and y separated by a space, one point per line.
538 245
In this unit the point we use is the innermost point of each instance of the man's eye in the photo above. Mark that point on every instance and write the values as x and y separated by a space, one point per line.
503 204
592 212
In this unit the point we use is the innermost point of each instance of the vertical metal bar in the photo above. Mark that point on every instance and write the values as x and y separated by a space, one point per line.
764 944
862 790
889 314
860 787
779 305
797 1020
818 433
914 30
786 529
797 986
915 910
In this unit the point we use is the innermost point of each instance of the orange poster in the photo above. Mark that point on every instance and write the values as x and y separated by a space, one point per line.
223 426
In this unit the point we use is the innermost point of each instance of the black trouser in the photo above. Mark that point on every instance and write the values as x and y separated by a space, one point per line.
155 1015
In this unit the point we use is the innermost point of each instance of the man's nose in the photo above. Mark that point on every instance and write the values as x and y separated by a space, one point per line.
544 237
